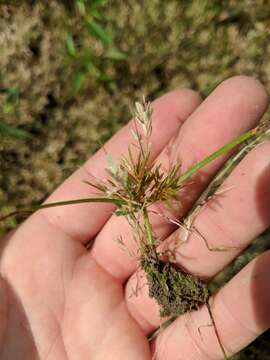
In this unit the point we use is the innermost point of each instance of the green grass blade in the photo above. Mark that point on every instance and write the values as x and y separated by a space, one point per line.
97 30
237 141
148 229
115 54
116 202
70 46
78 82
11 131
81 201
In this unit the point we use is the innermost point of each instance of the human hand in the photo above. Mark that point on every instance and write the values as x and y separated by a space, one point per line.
60 301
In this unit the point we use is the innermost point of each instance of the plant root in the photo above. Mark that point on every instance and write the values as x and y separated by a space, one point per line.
175 290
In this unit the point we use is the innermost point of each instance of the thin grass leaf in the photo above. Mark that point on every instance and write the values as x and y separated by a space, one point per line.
70 46
97 30
11 99
117 202
98 2
113 53
97 186
78 82
237 141
96 14
80 6
11 131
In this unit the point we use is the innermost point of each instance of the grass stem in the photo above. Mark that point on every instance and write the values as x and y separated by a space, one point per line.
148 229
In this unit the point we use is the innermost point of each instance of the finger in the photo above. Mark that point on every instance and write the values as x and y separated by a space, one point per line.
241 312
242 213
78 221
230 220
235 106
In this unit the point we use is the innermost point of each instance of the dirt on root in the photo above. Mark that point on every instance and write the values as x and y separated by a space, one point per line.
175 290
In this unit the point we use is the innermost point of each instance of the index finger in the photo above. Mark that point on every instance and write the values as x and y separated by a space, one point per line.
77 221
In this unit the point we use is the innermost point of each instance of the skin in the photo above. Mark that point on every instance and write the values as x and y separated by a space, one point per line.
60 301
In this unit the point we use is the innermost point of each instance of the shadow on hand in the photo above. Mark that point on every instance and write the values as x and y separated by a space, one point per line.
17 341
260 286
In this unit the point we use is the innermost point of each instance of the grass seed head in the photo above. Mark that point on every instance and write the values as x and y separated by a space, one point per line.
139 181
143 115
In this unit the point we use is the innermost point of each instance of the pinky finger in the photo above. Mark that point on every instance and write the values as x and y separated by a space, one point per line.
241 310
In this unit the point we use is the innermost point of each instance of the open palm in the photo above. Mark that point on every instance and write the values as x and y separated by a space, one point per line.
59 300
